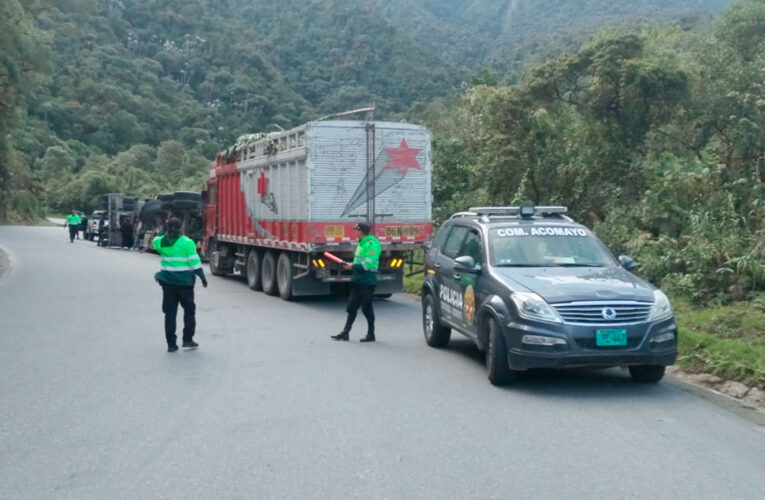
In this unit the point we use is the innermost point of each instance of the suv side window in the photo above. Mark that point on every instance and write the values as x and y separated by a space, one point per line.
438 242
472 246
454 242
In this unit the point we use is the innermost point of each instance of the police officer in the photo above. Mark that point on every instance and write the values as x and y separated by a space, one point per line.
180 266
365 265
73 221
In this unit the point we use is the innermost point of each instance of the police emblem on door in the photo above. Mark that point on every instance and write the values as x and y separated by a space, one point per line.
468 305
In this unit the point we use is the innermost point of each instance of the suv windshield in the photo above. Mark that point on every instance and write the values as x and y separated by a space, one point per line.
548 245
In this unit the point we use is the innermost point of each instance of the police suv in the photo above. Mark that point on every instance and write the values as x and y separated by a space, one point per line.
535 289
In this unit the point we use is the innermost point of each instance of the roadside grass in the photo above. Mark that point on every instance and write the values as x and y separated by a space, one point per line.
727 341
413 284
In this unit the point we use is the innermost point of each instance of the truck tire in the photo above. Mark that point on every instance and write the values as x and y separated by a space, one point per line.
268 273
253 270
436 335
150 209
498 370
185 204
212 259
187 195
166 197
647 374
284 275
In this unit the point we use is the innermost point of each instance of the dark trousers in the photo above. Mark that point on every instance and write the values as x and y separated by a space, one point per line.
73 232
361 296
171 297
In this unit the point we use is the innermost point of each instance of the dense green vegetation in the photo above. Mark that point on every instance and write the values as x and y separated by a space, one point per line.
655 139
508 35
138 95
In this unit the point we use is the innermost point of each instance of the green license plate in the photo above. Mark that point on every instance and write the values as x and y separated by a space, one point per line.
613 337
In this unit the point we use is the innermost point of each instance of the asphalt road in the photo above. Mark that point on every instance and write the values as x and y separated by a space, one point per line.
93 407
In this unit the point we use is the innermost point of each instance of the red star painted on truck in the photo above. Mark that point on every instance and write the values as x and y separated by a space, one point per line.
402 158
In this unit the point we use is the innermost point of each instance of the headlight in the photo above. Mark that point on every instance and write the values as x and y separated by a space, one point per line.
661 308
532 306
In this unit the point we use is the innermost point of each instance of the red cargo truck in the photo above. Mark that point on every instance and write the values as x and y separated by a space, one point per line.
275 203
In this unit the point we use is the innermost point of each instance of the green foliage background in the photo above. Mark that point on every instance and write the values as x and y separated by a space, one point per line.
651 133
654 138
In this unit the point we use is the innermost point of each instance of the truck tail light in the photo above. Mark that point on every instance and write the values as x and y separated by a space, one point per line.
318 263
395 263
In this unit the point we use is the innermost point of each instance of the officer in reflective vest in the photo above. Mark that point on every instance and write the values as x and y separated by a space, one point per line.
73 221
365 265
180 267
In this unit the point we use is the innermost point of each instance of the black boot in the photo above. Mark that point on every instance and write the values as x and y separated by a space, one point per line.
369 338
340 336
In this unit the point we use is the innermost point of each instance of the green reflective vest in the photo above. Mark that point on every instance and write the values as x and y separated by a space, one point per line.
179 261
366 262
73 220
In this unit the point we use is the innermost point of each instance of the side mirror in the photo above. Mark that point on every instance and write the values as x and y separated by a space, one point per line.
628 262
466 264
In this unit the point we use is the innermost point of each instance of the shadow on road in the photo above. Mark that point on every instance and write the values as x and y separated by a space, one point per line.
578 383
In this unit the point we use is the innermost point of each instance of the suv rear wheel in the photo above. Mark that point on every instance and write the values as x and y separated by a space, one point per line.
496 356
647 374
435 334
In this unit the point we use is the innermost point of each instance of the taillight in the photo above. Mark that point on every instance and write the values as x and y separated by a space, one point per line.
318 263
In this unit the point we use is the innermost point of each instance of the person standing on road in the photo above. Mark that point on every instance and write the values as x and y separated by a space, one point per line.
365 265
73 221
180 267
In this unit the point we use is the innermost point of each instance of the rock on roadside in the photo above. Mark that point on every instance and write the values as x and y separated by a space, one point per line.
752 396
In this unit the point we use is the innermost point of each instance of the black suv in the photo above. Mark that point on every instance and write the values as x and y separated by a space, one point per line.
535 289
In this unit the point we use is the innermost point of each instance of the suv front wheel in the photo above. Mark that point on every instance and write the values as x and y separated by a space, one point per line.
497 367
435 334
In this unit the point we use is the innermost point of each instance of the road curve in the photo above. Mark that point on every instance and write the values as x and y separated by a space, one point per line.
92 406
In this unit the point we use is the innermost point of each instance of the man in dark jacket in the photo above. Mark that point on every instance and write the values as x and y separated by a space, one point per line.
366 264
180 267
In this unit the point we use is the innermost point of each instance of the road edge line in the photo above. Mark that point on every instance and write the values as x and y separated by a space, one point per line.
751 413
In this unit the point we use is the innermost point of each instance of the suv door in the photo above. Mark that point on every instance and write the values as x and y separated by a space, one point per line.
469 283
449 291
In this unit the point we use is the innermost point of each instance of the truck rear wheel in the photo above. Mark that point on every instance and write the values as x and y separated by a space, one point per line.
284 275
214 259
268 273
253 270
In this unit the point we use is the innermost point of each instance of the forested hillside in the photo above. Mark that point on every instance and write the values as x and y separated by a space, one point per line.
653 138
507 34
137 95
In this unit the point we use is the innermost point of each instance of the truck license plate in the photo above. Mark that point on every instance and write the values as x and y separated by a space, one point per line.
612 337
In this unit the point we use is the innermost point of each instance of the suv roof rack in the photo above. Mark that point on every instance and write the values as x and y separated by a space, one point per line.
507 211
485 213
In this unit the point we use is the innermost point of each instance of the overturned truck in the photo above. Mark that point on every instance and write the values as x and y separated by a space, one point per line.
277 202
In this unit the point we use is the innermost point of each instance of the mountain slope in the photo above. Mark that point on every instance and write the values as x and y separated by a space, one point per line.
475 32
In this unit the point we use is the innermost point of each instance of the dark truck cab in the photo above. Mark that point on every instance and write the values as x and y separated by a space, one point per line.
535 289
